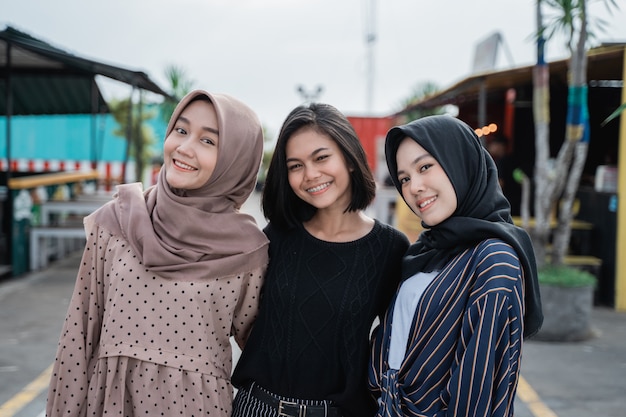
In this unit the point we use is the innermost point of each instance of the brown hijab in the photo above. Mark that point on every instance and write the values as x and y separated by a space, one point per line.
191 234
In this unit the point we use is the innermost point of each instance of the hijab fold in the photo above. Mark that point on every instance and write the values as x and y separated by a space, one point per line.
483 212
190 234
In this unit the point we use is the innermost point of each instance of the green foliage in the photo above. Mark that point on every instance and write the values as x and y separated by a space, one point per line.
614 115
119 110
566 16
519 175
420 92
180 85
139 135
565 276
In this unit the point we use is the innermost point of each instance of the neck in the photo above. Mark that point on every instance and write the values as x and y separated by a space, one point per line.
339 227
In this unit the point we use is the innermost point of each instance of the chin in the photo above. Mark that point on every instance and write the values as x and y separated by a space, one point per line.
176 183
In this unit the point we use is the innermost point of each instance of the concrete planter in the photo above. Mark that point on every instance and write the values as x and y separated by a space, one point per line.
567 313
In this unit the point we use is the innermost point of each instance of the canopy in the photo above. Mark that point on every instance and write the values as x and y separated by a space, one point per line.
47 80
604 63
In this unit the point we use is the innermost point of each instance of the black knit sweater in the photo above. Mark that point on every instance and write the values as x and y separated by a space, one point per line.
311 338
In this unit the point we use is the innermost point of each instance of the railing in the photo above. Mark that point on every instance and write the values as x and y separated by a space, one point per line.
580 249
35 220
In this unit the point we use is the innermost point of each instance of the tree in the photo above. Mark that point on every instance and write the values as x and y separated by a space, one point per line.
420 92
131 120
557 180
180 85
541 114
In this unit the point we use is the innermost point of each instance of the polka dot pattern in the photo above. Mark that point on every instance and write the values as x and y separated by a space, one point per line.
134 343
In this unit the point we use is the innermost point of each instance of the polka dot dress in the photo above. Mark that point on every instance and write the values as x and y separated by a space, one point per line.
135 344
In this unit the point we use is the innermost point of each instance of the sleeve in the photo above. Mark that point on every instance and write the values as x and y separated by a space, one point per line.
77 350
248 305
393 272
489 351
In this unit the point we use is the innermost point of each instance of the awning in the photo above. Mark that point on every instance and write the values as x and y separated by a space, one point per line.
604 64
47 80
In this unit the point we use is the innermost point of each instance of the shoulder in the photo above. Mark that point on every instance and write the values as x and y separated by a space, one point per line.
272 231
496 249
277 235
391 233
104 217
496 265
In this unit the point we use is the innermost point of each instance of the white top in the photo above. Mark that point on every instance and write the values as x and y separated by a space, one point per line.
409 295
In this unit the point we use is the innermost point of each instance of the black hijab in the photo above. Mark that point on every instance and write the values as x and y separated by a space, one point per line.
483 212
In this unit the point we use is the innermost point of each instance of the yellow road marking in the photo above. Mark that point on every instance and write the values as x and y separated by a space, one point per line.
22 398
32 390
531 399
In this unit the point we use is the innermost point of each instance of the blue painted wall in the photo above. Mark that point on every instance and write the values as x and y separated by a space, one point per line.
70 137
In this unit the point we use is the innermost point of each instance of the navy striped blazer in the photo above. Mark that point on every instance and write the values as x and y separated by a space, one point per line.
464 349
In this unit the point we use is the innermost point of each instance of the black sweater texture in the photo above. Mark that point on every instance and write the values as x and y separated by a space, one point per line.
320 299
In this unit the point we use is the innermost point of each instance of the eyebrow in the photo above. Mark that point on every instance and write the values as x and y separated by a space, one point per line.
205 128
315 152
415 162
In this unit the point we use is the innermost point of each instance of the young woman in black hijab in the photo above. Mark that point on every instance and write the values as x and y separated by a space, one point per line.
451 342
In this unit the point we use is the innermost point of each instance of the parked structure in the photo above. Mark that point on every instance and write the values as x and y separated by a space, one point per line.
37 78
501 102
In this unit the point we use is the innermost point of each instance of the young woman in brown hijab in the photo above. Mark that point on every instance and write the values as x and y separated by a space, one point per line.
167 276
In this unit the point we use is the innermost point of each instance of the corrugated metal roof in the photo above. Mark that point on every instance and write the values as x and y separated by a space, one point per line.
604 63
48 80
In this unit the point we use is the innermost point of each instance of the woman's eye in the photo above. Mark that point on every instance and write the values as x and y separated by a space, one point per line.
403 180
425 167
322 157
208 141
180 130
293 167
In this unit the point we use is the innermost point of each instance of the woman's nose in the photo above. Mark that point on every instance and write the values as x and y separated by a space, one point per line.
184 148
416 185
311 173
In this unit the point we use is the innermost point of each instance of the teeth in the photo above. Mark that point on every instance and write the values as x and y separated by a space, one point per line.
430 200
182 165
318 188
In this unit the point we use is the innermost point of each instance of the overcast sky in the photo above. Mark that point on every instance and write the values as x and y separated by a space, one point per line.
260 51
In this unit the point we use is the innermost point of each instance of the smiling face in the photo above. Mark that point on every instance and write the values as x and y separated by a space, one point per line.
317 170
190 150
425 186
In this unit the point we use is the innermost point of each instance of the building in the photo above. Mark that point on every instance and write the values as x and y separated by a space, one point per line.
37 78
500 102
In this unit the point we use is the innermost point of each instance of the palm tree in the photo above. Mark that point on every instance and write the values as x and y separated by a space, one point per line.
541 114
420 92
558 180
131 120
180 85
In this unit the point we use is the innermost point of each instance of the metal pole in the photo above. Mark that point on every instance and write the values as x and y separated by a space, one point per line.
370 40
94 113
9 102
482 107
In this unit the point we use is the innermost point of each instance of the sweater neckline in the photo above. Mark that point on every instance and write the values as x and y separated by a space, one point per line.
368 235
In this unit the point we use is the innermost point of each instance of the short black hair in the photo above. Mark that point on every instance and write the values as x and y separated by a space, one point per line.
281 206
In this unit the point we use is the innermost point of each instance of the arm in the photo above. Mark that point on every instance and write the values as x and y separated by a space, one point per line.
398 248
78 345
247 306
487 358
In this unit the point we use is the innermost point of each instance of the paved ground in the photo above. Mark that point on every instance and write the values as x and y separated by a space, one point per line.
558 379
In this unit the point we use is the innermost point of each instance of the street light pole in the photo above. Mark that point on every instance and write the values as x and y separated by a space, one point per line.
309 96
370 41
